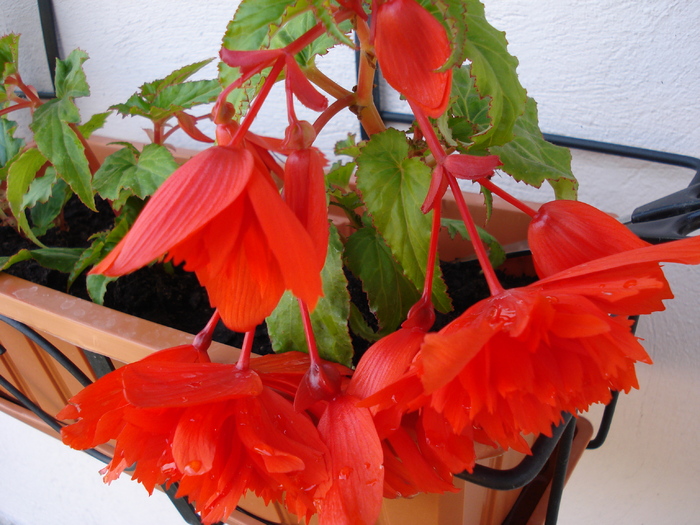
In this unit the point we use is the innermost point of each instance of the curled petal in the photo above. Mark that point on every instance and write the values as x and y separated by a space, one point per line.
471 167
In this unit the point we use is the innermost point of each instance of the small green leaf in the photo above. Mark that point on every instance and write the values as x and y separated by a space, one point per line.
340 174
70 78
123 174
61 259
329 319
389 292
254 22
9 145
394 187
470 111
97 287
9 56
62 147
45 212
20 176
531 159
348 146
455 227
96 122
162 98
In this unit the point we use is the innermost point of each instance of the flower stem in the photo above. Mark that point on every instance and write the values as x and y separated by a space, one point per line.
309 333
507 197
202 340
366 110
494 284
258 101
246 350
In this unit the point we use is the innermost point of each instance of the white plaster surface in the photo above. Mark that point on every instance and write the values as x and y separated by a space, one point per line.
625 71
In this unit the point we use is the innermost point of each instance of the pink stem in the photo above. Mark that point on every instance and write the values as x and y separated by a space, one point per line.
507 197
203 339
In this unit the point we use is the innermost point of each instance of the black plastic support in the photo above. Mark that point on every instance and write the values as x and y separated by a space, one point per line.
523 473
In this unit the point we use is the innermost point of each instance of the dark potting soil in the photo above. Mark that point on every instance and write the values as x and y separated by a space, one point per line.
173 297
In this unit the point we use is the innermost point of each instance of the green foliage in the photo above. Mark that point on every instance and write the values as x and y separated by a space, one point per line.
531 159
394 187
129 172
329 319
9 145
9 58
454 227
389 292
163 98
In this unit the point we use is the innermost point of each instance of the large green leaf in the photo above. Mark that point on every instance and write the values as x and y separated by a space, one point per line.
124 173
393 187
49 205
96 122
531 159
389 292
254 22
329 319
470 111
58 142
494 69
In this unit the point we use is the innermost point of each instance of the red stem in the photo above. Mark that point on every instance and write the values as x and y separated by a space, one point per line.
202 340
309 333
258 101
495 286
19 105
507 197
332 111
246 350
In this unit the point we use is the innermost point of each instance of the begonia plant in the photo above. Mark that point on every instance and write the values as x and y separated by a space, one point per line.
249 215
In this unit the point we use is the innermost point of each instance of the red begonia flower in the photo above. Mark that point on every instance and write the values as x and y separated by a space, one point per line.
213 428
222 215
520 358
355 496
566 233
411 45
305 194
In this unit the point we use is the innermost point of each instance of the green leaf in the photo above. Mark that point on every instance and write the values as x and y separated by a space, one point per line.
394 187
254 22
123 173
97 287
496 78
347 146
61 259
61 146
455 227
70 78
162 98
19 178
9 145
329 319
96 122
531 159
470 111
9 56
299 24
389 292
45 212
340 174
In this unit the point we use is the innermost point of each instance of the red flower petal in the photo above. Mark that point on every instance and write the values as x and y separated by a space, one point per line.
411 45
194 194
149 384
357 473
471 167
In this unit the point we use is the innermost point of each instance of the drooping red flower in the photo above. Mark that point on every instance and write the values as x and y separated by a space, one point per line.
520 358
215 429
566 233
222 215
411 46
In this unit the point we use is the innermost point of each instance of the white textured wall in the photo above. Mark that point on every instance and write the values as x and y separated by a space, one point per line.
623 71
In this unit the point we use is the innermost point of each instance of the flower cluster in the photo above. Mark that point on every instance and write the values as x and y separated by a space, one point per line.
420 405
